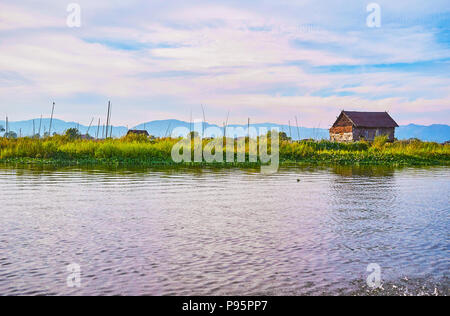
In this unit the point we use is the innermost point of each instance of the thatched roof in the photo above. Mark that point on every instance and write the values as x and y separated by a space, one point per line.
370 119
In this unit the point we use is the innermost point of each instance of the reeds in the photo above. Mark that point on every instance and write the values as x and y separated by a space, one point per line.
137 149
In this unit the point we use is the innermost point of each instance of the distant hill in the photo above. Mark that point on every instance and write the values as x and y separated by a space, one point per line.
436 132
166 127
433 133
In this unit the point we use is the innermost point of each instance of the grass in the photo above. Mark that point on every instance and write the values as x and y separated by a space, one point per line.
143 151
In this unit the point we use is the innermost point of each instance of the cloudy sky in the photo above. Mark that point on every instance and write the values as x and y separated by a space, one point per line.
270 60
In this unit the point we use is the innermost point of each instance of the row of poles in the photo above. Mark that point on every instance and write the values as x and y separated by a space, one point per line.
106 131
225 125
34 127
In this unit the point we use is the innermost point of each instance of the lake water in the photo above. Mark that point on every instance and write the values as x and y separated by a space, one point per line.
305 230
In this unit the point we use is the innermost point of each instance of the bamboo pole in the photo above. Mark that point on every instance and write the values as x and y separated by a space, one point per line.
290 132
298 130
90 124
228 116
51 120
40 125
107 119
204 121
111 126
98 128
190 123
226 124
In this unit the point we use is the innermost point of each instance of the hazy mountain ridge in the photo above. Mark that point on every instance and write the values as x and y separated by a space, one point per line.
436 132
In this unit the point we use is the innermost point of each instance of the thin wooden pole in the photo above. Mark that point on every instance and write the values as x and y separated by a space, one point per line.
190 122
51 120
290 132
98 128
204 121
40 125
298 130
228 116
226 124
90 124
111 126
107 119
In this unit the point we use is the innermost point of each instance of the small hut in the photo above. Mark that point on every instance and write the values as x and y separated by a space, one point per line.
354 126
137 132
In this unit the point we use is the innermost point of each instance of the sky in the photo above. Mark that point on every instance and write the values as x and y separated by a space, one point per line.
267 60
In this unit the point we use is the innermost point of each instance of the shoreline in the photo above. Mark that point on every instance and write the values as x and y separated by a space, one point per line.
135 150
112 162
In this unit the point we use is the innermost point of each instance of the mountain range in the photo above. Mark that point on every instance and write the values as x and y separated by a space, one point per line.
436 132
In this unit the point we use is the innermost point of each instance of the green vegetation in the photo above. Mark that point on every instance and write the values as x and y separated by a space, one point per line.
378 152
72 133
70 149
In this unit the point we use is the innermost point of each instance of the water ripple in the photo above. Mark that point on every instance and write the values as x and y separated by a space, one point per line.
306 230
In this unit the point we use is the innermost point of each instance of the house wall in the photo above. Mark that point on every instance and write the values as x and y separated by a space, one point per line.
349 133
341 134
341 138
369 134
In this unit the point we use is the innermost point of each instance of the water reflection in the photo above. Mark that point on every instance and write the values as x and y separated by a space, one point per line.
365 171
362 202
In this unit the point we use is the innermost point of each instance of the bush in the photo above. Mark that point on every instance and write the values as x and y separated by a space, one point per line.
379 142
73 133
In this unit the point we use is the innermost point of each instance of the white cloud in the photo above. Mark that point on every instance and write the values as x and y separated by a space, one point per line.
13 17
227 56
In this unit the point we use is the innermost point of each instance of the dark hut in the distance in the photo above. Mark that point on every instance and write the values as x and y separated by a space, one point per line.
137 132
354 126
